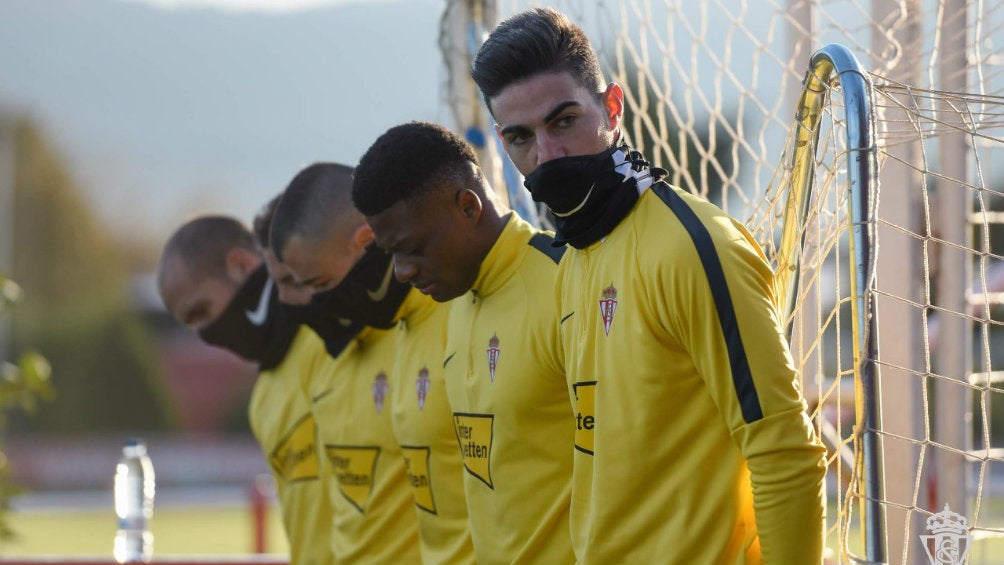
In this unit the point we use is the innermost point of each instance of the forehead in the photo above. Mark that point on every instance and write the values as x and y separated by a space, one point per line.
184 293
306 258
528 101
174 281
410 219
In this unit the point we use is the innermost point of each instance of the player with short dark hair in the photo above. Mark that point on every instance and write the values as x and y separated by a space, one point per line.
202 265
289 292
542 48
692 442
451 238
383 411
212 279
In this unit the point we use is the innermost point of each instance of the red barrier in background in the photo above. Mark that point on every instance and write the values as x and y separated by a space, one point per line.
260 490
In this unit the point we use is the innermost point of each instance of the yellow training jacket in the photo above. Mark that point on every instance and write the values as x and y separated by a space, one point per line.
374 516
510 403
423 427
283 424
692 444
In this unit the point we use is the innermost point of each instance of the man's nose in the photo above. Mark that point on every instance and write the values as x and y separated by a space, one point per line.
548 148
404 270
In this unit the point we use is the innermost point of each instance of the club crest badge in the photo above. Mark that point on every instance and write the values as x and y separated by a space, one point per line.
493 356
948 544
422 387
608 305
380 387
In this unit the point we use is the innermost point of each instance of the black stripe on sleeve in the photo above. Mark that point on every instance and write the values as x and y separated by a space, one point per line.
742 377
543 243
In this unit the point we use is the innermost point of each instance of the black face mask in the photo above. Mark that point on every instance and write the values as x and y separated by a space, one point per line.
335 332
254 325
590 194
566 185
369 295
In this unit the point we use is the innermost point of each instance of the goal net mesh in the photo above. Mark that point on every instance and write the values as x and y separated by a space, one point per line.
711 93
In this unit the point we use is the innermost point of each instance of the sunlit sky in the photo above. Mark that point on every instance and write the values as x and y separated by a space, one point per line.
164 109
247 5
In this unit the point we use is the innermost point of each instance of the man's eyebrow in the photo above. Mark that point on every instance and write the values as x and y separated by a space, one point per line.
554 113
521 130
559 109
395 243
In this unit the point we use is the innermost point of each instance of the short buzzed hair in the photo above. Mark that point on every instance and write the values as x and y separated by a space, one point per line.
317 202
541 40
432 157
203 244
262 223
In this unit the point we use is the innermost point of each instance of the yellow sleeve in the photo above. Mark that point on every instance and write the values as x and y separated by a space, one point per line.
722 309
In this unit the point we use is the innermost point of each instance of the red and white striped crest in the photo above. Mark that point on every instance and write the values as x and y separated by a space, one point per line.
379 390
608 305
422 387
493 356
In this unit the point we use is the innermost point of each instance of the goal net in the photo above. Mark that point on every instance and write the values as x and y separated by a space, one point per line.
713 92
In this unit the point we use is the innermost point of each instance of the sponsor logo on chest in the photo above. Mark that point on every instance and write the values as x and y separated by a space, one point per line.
416 462
295 458
474 434
585 415
354 467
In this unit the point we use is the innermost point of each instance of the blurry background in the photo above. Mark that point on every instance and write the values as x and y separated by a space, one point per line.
118 121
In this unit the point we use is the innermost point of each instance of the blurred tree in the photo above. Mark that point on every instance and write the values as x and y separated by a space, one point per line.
21 386
78 311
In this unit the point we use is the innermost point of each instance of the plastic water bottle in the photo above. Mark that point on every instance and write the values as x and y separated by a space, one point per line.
134 490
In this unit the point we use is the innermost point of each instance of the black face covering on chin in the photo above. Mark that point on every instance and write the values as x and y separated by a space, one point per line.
254 325
566 184
368 296
590 194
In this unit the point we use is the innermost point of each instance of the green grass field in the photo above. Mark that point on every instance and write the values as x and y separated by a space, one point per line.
225 531
177 531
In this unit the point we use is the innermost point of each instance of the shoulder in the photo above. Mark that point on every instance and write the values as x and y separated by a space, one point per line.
686 219
542 243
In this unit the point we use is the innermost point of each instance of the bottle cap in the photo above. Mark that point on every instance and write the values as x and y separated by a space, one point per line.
134 446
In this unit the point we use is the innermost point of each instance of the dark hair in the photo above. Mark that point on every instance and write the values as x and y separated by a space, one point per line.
536 41
317 201
203 244
262 223
411 160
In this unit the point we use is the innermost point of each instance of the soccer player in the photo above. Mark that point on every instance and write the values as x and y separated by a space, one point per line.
692 442
212 279
451 238
383 413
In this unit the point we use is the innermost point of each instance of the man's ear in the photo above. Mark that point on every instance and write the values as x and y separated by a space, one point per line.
469 204
361 238
240 263
613 104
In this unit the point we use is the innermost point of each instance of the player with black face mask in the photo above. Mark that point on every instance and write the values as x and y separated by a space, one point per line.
212 278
